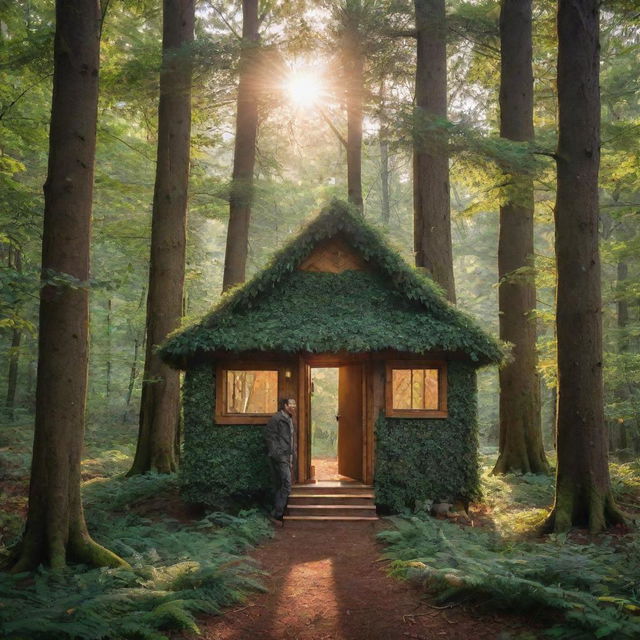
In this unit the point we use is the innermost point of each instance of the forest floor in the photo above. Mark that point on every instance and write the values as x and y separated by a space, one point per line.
486 577
329 581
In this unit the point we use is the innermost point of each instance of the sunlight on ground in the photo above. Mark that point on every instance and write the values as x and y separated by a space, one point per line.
317 576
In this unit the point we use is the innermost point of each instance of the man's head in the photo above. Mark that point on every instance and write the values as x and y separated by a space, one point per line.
288 405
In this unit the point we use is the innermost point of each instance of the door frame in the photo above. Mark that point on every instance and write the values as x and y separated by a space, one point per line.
305 363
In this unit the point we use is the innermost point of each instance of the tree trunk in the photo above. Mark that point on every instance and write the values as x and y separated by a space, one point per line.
160 402
618 429
583 488
14 262
56 532
431 200
353 62
521 448
244 158
622 307
384 178
12 374
108 389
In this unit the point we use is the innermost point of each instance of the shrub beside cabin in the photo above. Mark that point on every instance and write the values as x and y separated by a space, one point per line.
335 296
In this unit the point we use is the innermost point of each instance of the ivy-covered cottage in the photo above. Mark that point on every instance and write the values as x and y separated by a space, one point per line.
336 296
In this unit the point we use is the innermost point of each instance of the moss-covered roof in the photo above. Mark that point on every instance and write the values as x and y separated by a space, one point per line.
282 308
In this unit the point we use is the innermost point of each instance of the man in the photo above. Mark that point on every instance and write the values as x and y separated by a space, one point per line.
279 436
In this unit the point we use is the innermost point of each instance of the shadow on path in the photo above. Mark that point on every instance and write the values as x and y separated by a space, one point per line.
327 582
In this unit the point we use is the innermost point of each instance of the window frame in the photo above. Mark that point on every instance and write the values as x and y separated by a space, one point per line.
221 416
440 412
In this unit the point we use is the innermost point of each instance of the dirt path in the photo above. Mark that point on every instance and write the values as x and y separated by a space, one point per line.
327 582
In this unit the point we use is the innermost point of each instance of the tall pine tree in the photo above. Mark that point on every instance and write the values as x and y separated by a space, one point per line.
521 448
583 488
244 157
158 437
56 532
431 199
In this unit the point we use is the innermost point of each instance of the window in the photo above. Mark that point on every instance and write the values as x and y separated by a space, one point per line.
247 393
416 390
251 391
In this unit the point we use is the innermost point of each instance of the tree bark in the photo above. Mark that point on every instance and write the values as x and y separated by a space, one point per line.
160 402
583 488
56 532
431 199
244 158
521 448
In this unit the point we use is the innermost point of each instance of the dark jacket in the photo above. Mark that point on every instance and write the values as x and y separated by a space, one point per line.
278 436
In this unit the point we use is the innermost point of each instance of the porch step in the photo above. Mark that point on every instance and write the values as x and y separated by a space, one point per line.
342 488
332 518
333 502
355 510
330 498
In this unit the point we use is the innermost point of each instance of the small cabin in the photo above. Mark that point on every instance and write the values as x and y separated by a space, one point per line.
335 296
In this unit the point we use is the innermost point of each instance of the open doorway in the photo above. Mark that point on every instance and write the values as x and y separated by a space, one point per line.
336 417
324 423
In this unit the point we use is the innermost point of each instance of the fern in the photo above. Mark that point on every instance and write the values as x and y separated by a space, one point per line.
179 570
594 585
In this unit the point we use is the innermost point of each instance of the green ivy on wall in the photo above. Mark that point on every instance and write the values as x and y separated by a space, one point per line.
224 466
418 460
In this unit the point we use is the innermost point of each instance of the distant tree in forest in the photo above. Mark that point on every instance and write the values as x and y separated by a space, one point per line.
431 199
583 488
521 448
56 532
351 15
244 156
158 437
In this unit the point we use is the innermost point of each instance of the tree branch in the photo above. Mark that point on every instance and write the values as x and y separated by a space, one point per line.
333 128
226 22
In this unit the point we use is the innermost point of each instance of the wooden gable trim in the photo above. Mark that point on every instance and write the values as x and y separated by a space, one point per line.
334 256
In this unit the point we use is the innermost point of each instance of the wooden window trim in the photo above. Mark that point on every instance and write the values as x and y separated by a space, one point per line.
440 412
221 417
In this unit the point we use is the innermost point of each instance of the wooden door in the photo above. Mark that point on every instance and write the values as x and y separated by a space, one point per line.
350 421
303 423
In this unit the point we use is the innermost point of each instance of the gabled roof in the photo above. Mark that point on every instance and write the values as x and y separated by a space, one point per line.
282 308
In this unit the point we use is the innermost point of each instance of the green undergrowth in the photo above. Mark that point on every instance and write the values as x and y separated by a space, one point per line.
179 569
589 585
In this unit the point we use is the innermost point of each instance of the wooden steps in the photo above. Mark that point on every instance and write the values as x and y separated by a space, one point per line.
332 502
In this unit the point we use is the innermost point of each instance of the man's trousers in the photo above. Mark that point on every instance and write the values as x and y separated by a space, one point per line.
281 473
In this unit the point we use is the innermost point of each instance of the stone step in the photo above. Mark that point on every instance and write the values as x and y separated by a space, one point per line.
355 510
331 498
